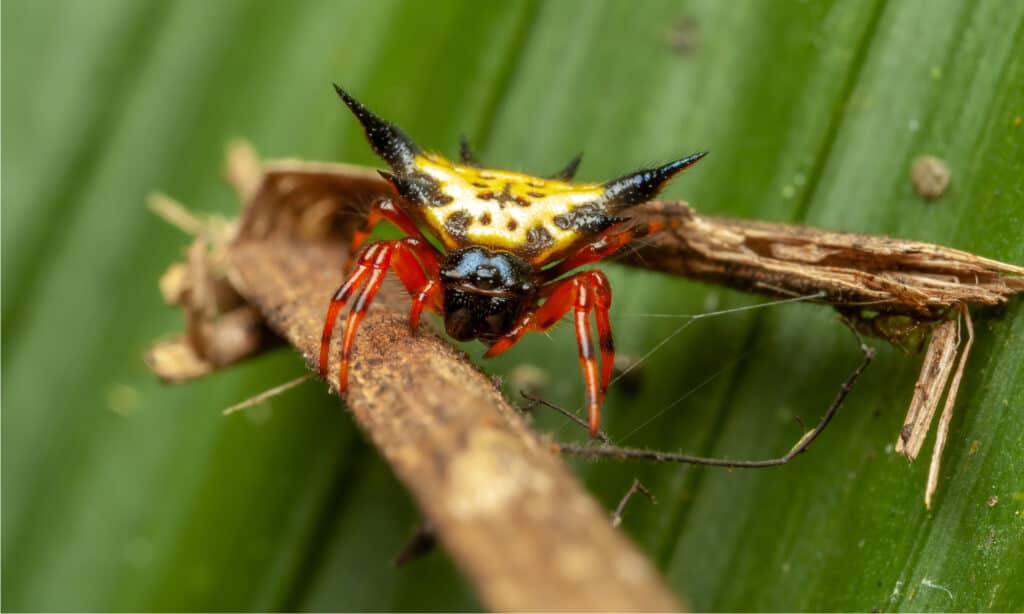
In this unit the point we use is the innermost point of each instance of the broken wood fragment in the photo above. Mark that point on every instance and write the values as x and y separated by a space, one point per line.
931 383
942 431
221 328
852 271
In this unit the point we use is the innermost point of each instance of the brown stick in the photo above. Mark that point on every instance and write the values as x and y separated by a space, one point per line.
510 513
853 271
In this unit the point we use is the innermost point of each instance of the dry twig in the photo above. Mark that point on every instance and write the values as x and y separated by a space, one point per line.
620 509
853 271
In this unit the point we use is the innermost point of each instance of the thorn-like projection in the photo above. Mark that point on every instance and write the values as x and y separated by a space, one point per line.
388 140
643 185
466 152
567 173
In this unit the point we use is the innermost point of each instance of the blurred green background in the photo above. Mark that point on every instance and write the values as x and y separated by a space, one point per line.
120 493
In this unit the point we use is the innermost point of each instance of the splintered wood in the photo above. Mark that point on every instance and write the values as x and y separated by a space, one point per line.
938 365
892 288
513 517
221 328
852 272
942 432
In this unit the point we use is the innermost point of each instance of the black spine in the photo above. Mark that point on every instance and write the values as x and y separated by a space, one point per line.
388 140
567 173
643 185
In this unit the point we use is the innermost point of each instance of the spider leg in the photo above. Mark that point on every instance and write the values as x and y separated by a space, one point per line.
415 263
341 296
602 295
382 209
608 451
605 245
584 292
588 361
359 307
371 268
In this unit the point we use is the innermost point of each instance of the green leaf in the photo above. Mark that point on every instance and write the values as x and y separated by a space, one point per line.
124 494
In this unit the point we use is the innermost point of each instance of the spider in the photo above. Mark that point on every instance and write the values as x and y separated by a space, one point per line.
511 243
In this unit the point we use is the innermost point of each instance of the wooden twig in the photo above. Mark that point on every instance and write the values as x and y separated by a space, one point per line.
852 271
268 394
620 509
534 400
607 451
512 515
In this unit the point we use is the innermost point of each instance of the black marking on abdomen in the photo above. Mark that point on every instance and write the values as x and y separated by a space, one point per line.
538 239
588 218
457 223
418 188
505 197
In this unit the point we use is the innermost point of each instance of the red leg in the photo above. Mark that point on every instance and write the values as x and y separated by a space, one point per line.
337 302
602 294
588 361
583 292
382 209
604 246
371 268
381 260
420 277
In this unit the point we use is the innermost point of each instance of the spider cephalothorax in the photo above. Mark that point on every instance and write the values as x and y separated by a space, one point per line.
510 242
485 293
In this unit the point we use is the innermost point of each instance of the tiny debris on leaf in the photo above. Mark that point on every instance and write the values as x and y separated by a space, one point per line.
931 176
683 36
993 501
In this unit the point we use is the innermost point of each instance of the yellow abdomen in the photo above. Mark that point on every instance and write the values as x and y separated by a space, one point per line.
537 219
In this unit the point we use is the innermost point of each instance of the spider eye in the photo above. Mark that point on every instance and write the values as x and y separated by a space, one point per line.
488 276
478 268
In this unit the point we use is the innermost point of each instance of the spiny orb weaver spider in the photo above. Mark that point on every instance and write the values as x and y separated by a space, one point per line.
510 242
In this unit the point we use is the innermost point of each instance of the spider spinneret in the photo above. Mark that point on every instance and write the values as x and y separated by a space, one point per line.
510 242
